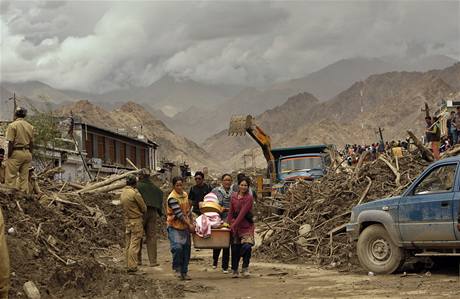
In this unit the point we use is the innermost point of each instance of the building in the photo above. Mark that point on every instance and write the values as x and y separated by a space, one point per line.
103 151
107 149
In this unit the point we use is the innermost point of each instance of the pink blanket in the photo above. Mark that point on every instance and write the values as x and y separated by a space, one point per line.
205 222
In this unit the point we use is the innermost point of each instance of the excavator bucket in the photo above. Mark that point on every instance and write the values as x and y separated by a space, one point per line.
239 124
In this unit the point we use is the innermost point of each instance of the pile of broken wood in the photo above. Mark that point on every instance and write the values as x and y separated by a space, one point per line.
312 226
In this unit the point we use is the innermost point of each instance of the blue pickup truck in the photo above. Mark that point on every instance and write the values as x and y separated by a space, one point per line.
423 221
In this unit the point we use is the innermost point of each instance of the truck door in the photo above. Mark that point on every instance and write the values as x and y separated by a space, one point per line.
426 212
456 213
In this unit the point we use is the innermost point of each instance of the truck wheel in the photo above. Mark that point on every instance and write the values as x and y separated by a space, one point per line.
377 252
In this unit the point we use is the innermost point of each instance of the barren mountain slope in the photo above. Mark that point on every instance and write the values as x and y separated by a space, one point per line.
201 122
391 100
130 117
172 146
277 122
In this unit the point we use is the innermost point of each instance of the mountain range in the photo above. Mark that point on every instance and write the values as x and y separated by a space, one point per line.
392 101
364 96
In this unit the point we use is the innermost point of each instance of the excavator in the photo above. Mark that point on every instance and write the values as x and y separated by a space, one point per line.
240 125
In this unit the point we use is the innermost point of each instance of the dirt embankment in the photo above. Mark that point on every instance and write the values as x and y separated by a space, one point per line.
67 248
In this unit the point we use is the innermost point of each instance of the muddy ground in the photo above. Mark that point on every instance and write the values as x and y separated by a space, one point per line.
275 280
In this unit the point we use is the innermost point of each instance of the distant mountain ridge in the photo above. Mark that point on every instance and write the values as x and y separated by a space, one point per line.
199 110
391 100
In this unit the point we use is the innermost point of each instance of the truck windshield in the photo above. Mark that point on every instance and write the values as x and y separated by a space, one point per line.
301 163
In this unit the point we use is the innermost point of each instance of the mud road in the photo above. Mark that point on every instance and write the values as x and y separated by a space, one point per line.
275 280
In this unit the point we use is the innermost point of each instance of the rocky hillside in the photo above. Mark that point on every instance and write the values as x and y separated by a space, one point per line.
336 77
133 118
390 100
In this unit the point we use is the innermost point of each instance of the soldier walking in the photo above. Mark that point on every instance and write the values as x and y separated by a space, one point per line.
20 136
134 207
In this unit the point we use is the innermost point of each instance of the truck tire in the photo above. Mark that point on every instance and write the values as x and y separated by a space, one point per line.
377 252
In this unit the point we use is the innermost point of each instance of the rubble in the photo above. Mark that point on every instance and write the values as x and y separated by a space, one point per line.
70 245
312 227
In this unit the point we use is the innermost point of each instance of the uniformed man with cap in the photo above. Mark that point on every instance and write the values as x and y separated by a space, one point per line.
134 208
20 136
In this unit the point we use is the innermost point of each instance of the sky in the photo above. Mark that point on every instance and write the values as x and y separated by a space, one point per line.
102 46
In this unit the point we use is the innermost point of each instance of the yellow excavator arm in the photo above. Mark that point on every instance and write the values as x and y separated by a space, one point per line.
240 125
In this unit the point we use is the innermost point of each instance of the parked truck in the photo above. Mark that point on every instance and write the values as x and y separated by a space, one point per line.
301 162
422 222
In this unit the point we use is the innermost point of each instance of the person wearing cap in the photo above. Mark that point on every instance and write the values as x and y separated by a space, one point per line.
4 261
20 137
2 166
153 198
134 208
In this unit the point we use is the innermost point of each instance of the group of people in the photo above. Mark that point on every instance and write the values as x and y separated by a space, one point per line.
236 201
15 172
352 152
181 209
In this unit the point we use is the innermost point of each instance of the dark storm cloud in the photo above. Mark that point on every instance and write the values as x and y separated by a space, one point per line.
99 46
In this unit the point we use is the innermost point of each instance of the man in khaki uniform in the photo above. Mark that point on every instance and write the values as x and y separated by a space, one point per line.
20 135
134 207
4 261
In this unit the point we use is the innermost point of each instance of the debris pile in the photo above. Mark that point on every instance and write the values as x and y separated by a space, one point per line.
70 245
312 226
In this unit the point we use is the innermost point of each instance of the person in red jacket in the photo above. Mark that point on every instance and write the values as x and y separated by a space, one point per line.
241 222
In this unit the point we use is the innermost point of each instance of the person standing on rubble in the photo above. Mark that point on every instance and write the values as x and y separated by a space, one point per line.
153 198
2 166
20 137
179 226
241 222
433 134
451 128
198 192
4 261
134 208
224 194
456 121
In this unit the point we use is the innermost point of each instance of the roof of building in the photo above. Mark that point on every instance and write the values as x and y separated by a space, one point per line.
147 142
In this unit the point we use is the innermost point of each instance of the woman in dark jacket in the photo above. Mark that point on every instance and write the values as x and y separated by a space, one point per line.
242 227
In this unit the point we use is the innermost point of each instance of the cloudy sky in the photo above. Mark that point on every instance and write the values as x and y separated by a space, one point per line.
99 46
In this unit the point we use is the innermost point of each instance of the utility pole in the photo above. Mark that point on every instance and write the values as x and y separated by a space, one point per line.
15 105
426 110
382 144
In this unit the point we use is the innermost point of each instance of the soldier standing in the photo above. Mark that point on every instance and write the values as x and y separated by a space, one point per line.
20 135
153 198
134 207
4 261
